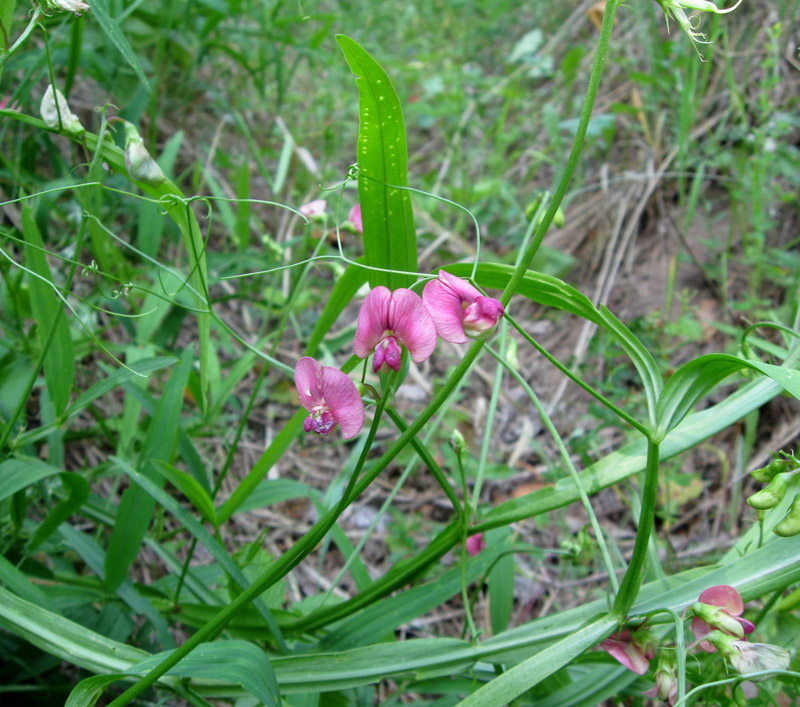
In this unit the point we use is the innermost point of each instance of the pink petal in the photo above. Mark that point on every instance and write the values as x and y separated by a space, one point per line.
355 217
465 291
343 400
373 321
314 208
307 379
410 320
725 597
481 316
444 304
631 656
700 628
475 543
748 626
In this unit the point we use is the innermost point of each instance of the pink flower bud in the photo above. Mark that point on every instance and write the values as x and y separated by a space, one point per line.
475 543
355 218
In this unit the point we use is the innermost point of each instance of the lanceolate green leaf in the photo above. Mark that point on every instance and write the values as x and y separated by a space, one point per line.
114 33
136 507
19 473
768 569
77 489
389 238
48 310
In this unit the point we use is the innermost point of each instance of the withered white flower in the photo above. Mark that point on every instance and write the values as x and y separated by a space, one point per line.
56 113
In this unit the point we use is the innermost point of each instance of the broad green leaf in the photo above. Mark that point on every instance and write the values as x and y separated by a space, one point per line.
20 472
189 488
552 292
195 527
136 507
17 581
88 691
109 25
695 379
519 679
340 295
48 310
232 661
77 489
390 240
771 568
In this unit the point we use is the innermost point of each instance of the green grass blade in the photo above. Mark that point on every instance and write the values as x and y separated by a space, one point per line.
136 507
59 362
77 489
88 691
390 240
111 29
189 488
19 473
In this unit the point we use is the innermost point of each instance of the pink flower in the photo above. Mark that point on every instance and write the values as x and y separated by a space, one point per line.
666 688
388 319
330 396
355 218
459 310
719 607
314 208
475 543
4 104
634 649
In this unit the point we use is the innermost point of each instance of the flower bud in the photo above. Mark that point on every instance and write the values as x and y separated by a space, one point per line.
790 525
475 543
666 688
140 164
457 442
767 473
533 207
74 6
718 618
54 107
480 317
772 494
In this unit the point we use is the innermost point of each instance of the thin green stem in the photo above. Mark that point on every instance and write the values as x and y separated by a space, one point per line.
573 472
578 381
632 581
577 146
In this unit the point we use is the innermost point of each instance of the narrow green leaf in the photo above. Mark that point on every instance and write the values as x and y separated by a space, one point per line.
189 488
695 379
501 583
231 661
136 507
143 367
342 293
88 691
111 29
20 472
17 581
390 240
218 552
48 310
77 489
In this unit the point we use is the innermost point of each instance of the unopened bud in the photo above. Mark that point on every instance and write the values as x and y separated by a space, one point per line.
772 494
56 113
457 442
74 6
767 473
141 166
790 525
533 207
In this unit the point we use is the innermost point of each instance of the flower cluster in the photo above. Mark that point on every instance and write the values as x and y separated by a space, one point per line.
388 322
717 625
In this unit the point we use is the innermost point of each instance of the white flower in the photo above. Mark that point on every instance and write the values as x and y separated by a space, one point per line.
690 25
56 113
76 6
754 657
140 164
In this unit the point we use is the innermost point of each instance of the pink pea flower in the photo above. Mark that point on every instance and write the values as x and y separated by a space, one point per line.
314 208
459 310
719 607
634 649
666 688
475 543
355 218
388 319
7 104
330 396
